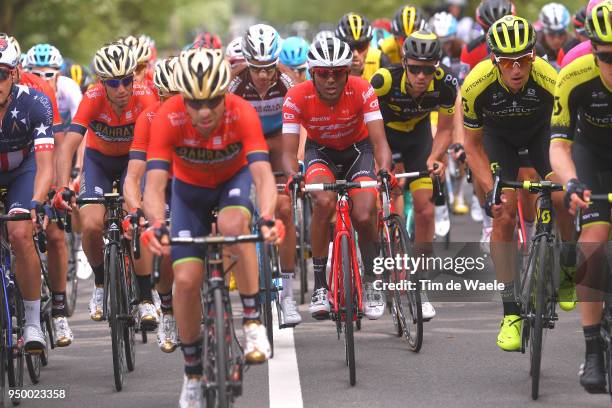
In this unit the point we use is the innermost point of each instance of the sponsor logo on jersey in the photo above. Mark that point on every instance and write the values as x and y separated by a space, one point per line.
201 155
108 133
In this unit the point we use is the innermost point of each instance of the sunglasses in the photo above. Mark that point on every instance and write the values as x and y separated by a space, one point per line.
268 69
4 74
114 83
198 104
417 69
299 70
509 63
360 46
605 57
44 74
326 73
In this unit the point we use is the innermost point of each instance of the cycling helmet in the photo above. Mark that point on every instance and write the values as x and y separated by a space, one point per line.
599 23
443 24
233 51
378 36
422 45
489 11
44 55
554 17
322 35
406 20
163 75
511 35
262 43
8 53
202 73
141 47
383 23
114 60
353 28
329 53
294 52
578 20
78 73
207 40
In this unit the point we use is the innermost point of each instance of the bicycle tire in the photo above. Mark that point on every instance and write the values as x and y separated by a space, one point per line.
268 259
538 321
347 281
222 346
128 289
15 364
387 252
301 263
3 346
72 281
115 323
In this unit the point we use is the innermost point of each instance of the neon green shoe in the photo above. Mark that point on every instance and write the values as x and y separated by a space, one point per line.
567 289
509 337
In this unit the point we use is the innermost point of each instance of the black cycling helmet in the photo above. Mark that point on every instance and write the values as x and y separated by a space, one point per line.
354 28
489 11
579 19
407 20
422 45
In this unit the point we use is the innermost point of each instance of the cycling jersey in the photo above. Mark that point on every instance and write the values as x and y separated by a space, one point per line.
373 61
391 49
458 68
142 132
31 80
400 110
338 126
206 162
107 133
475 51
69 97
270 106
578 51
569 44
583 107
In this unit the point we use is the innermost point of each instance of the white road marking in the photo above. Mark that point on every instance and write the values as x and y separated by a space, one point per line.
284 377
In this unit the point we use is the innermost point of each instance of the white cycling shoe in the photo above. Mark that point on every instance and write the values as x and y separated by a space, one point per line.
63 333
34 339
191 393
147 314
374 302
167 337
96 303
256 346
291 316
319 304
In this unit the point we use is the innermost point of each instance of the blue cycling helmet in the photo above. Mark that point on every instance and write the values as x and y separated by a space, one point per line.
555 18
294 52
261 43
44 55
378 36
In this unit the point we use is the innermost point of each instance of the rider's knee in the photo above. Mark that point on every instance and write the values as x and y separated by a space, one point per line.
20 237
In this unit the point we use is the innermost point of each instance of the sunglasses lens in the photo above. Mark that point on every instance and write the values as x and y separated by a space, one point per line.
198 104
113 83
360 46
127 80
4 74
605 57
425 69
508 63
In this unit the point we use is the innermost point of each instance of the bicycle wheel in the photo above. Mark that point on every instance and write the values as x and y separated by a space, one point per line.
535 349
300 253
268 259
222 346
16 356
393 300
128 288
34 361
4 355
72 282
349 305
116 324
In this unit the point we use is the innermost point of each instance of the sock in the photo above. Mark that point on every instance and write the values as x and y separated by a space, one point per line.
166 302
251 307
58 307
144 287
319 265
98 275
78 241
193 357
592 337
511 307
287 292
32 312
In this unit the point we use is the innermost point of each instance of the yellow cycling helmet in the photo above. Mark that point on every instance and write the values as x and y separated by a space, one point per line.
598 23
76 73
354 28
202 73
406 20
511 35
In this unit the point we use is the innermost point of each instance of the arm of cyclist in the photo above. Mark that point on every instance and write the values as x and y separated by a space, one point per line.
64 164
43 155
458 130
131 192
441 142
577 195
265 185
382 152
155 210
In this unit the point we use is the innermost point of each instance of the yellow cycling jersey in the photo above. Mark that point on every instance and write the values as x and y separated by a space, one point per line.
487 101
391 49
372 63
583 106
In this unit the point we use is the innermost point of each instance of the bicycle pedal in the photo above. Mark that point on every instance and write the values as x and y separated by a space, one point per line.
287 325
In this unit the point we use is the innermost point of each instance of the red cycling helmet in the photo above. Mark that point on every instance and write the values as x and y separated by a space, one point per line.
207 40
383 23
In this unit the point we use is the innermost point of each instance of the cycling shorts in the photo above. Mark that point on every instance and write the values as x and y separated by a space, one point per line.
352 163
596 172
19 185
505 153
412 149
99 173
192 210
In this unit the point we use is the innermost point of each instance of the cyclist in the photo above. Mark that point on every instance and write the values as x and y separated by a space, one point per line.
406 20
584 47
555 20
142 48
579 35
507 102
233 53
217 149
26 172
78 73
207 40
293 55
465 24
580 155
356 31
107 115
345 135
164 82
264 87
408 93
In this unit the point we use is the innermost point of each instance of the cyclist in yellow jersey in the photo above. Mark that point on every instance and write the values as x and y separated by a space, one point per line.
407 19
507 101
356 31
581 153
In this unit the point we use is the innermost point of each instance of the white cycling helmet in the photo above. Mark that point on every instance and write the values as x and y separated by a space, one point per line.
141 47
443 24
322 35
554 17
43 55
8 53
233 51
262 43
202 73
329 53
163 75
113 61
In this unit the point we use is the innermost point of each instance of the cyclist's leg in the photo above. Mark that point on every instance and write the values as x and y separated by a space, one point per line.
166 334
57 264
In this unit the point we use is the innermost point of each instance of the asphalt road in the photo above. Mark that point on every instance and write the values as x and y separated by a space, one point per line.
458 366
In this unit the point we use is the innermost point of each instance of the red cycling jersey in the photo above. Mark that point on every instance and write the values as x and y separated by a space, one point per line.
206 162
338 126
474 52
142 132
41 85
107 133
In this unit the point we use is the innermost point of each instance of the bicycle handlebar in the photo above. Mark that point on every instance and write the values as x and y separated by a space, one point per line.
15 217
343 184
602 197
